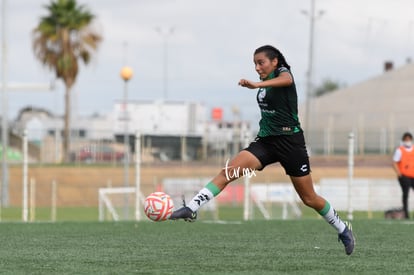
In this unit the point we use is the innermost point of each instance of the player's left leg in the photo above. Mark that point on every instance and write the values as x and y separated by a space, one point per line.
304 187
295 160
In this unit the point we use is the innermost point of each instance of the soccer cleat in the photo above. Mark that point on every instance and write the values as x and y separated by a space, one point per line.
184 213
347 239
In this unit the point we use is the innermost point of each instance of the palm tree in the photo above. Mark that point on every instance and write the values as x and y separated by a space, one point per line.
61 39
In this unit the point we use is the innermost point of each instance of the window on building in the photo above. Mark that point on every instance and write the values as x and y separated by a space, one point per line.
82 133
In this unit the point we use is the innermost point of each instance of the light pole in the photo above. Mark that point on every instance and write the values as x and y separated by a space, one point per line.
126 75
309 74
4 117
165 34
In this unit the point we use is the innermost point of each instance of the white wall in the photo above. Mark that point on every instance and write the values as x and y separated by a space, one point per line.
173 118
366 194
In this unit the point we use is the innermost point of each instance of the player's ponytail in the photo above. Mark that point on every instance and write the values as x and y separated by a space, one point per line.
272 53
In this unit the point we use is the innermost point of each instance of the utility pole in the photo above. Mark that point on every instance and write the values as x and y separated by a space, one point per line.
165 34
309 75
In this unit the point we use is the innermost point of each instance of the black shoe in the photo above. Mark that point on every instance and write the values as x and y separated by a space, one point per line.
347 239
184 213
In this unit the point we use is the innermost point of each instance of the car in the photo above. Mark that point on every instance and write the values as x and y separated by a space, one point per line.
97 154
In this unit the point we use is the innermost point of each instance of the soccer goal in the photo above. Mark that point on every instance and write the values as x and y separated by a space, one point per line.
120 203
276 200
123 203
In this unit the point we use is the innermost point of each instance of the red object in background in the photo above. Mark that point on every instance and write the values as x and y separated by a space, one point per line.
217 114
232 194
104 153
159 188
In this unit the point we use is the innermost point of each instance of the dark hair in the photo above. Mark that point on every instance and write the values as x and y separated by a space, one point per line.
407 135
272 53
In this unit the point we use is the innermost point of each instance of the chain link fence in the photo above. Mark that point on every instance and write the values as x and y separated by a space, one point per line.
106 148
99 162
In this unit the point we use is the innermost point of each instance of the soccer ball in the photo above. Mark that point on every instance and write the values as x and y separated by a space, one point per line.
158 206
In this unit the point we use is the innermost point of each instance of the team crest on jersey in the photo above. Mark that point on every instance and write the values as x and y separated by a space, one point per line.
262 94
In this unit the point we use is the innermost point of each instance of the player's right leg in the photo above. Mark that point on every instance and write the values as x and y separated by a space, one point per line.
232 171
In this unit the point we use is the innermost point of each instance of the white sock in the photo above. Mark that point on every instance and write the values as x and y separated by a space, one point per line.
330 215
200 199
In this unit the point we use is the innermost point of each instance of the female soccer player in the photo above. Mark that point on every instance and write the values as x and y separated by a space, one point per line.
280 139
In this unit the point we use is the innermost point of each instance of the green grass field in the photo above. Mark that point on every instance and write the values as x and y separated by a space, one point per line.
307 246
228 213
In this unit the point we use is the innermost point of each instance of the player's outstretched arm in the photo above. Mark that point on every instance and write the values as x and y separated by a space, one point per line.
248 84
283 80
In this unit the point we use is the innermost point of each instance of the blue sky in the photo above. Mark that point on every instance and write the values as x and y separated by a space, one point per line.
211 48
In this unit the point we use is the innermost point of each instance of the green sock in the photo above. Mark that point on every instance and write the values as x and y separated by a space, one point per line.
325 209
330 215
213 188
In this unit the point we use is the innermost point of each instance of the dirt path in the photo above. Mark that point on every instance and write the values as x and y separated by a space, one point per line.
78 186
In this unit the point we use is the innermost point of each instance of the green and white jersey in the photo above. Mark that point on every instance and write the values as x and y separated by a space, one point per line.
279 108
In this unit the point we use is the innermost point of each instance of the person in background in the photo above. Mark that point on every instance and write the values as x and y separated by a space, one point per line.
404 167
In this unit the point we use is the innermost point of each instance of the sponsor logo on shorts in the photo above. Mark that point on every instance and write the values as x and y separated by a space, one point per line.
304 168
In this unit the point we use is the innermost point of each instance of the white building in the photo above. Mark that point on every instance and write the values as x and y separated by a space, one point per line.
170 130
160 118
41 123
376 110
